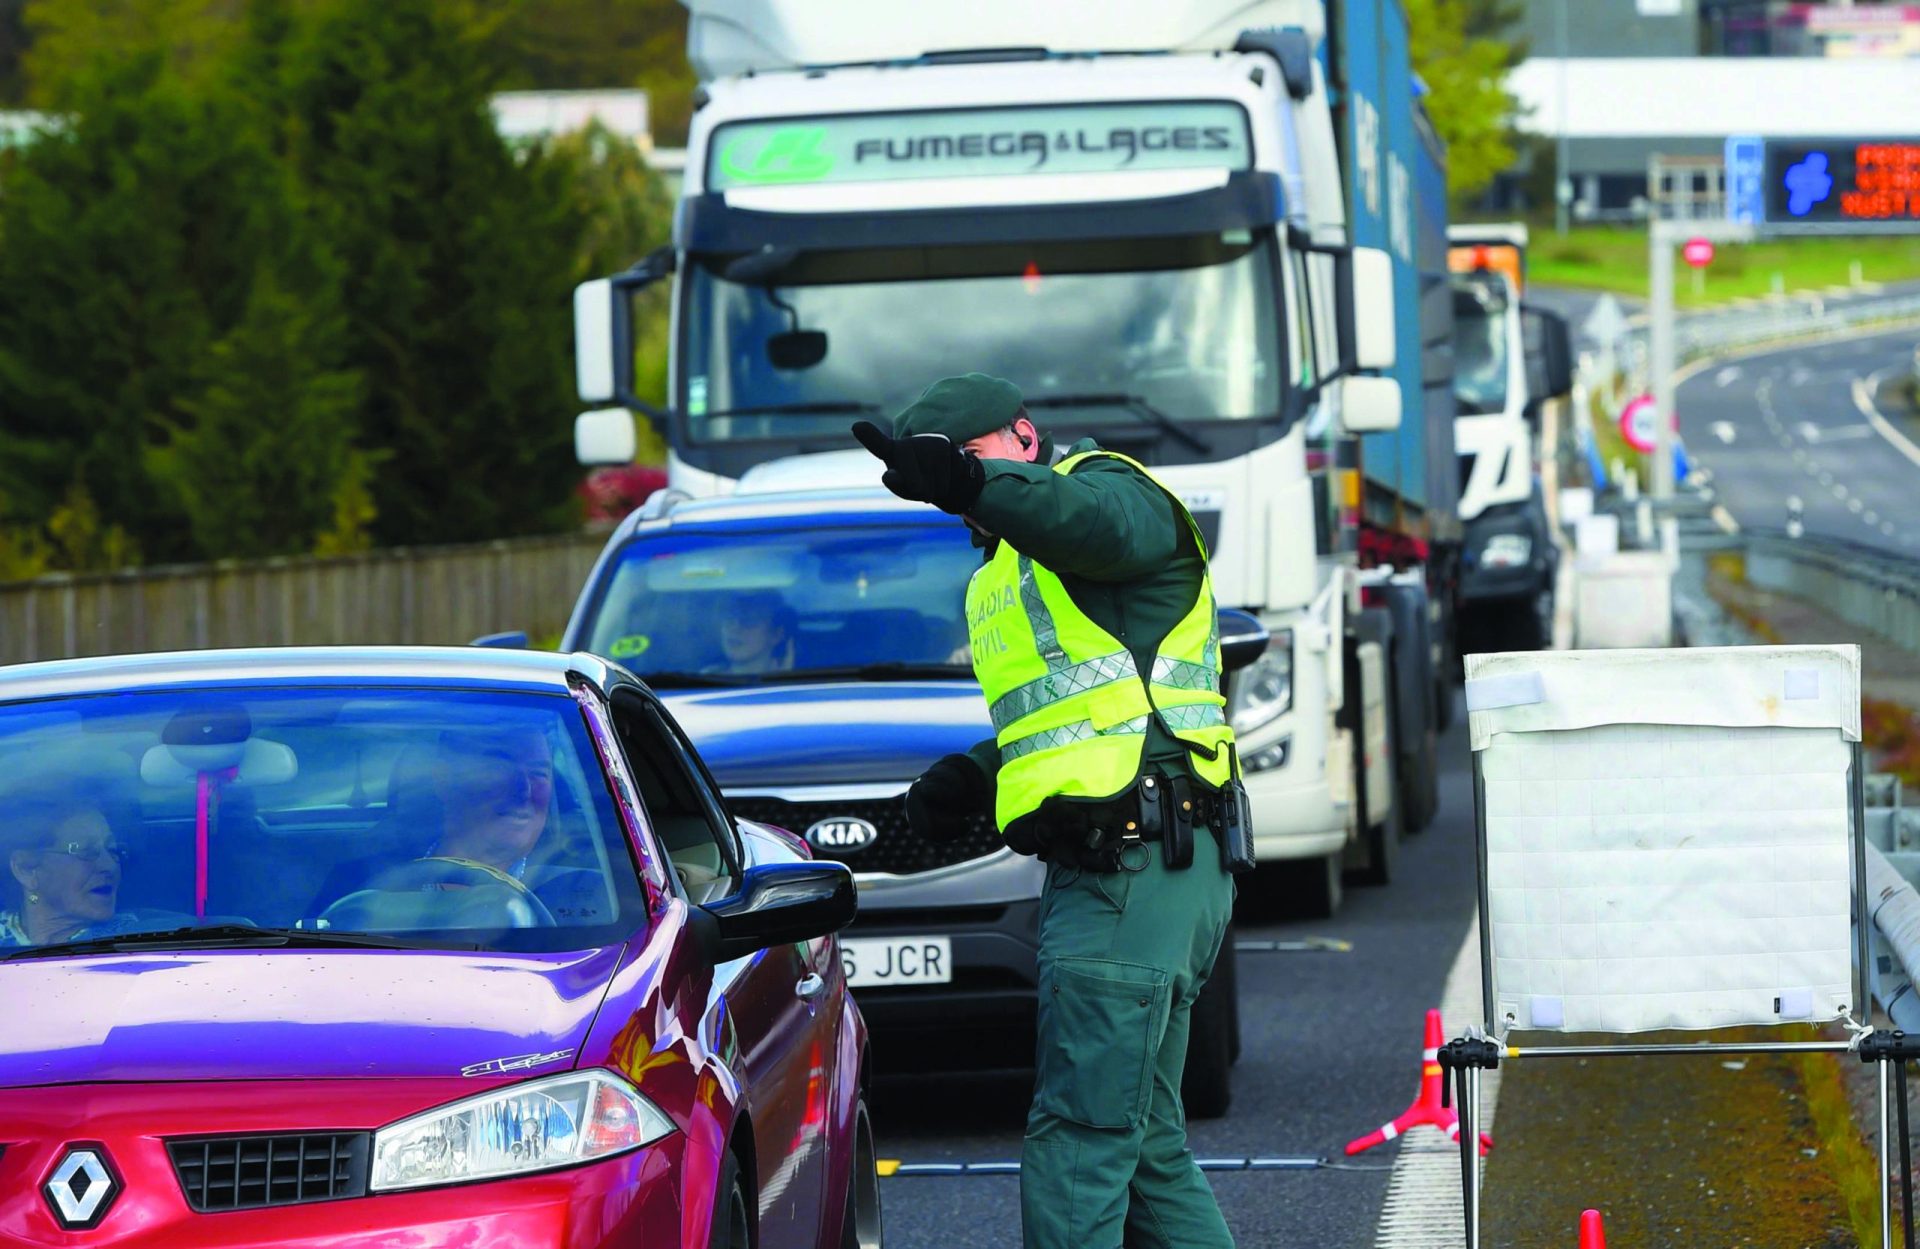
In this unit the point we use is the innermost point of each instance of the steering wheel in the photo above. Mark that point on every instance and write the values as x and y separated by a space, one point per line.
489 887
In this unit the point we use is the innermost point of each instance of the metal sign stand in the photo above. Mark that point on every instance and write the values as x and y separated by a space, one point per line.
1463 1059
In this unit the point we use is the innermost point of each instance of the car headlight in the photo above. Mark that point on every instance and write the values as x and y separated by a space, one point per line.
1506 550
1263 689
536 1126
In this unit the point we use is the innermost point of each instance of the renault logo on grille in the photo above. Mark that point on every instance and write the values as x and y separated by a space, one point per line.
81 1187
843 833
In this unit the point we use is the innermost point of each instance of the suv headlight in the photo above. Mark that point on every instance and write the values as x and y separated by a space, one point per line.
536 1126
1263 690
1507 550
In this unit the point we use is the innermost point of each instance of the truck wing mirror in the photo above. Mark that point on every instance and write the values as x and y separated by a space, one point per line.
1549 348
1370 405
1365 276
604 436
603 333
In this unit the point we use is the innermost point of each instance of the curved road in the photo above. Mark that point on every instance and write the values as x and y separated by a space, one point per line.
1796 431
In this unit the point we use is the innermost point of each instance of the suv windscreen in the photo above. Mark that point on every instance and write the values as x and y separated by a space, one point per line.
749 606
1188 324
462 819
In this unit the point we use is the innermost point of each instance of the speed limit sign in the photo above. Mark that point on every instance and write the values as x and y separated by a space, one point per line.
1638 423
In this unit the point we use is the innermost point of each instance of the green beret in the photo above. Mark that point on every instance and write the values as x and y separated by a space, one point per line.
962 408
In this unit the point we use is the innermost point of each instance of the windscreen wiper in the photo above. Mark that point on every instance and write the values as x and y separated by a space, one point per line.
892 670
825 407
1135 404
239 936
687 680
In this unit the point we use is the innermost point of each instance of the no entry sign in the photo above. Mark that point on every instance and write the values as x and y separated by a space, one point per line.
1698 253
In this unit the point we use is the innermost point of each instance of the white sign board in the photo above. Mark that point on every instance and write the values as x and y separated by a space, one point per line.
1668 836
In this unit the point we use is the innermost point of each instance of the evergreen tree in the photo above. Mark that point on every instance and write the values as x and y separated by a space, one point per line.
458 269
135 243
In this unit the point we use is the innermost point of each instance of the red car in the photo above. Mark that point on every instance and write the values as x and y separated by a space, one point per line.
408 947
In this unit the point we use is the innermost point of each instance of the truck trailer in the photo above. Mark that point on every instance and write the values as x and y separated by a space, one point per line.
1209 235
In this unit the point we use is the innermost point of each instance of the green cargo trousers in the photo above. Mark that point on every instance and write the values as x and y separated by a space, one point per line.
1122 958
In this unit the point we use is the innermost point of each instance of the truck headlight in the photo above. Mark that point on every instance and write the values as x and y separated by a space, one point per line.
1506 550
1263 690
536 1126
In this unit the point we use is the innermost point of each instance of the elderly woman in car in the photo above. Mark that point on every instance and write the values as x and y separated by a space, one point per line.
63 867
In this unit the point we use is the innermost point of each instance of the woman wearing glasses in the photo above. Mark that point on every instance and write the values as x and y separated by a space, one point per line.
64 866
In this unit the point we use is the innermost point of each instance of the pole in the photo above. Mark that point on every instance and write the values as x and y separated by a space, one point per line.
1660 351
1562 176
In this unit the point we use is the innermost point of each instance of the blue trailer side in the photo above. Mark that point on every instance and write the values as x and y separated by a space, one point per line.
1396 201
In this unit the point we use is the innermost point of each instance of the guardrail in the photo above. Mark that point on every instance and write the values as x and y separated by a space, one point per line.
1770 319
1873 589
405 595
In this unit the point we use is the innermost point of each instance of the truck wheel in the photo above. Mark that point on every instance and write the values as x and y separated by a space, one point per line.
1206 1088
1382 839
1303 888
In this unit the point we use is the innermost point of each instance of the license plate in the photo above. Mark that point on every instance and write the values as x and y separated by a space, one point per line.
896 960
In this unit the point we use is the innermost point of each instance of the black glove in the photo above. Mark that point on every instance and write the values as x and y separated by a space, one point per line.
928 468
942 803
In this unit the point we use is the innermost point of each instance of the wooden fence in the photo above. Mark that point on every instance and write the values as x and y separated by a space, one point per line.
448 594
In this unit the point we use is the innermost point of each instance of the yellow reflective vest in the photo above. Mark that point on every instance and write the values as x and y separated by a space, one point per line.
1069 704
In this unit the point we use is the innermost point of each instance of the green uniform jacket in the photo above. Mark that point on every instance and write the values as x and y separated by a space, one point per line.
1117 544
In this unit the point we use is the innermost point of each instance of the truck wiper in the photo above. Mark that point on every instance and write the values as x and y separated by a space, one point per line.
889 671
1135 404
200 936
825 407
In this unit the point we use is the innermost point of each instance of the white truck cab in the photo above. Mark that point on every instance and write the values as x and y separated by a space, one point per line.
1135 209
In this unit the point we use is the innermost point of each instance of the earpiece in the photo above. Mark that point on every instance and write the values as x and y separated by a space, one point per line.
1026 443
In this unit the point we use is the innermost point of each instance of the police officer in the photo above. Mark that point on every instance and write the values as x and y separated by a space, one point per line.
1094 639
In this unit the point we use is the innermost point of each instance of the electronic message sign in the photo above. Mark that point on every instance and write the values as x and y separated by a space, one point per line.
1842 184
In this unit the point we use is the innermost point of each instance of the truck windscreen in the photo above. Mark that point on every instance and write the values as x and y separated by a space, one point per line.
1480 357
786 348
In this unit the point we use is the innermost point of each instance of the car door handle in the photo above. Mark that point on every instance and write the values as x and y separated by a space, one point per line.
810 987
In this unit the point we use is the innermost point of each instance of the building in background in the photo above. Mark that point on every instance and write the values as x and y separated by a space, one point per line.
526 116
1675 78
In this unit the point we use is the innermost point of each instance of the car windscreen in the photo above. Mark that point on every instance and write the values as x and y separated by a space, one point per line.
1187 324
766 604
430 817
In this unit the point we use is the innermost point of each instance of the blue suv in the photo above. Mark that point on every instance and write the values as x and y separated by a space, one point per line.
813 645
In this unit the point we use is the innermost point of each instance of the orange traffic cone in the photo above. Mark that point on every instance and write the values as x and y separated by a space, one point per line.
1426 1108
1592 1234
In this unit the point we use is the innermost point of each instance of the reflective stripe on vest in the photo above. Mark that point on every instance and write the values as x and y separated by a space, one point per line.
1070 708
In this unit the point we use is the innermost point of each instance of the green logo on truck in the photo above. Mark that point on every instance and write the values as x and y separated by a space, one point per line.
791 154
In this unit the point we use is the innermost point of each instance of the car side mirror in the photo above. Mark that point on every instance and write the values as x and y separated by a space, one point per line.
780 903
1243 638
514 640
603 332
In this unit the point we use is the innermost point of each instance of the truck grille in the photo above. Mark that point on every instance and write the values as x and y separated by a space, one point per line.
246 1172
896 848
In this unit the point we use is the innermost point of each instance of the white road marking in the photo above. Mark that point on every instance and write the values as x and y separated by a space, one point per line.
1423 1209
1723 518
1863 389
1724 431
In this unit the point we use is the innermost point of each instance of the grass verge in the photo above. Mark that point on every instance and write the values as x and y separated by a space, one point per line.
1615 259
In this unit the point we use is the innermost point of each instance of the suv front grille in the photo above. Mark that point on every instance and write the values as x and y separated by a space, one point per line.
895 849
246 1172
